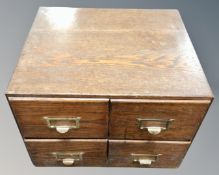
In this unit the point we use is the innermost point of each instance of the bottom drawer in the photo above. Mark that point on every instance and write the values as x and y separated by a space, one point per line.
60 152
159 154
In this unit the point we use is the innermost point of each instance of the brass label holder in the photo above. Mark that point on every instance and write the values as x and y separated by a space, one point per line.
57 123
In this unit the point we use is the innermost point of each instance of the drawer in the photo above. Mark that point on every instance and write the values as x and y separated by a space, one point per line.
67 152
176 120
61 117
150 154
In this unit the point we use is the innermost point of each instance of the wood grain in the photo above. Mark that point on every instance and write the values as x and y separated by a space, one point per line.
172 153
113 53
41 151
29 113
187 115
109 67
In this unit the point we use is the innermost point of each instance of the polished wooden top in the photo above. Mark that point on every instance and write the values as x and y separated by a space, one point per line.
118 53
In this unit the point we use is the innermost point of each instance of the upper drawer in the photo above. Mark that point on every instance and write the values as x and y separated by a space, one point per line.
61 117
156 119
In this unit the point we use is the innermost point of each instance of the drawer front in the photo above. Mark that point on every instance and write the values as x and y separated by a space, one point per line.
155 119
148 154
59 152
61 117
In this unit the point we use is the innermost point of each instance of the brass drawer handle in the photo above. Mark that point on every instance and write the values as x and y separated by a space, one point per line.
145 159
57 123
68 159
153 126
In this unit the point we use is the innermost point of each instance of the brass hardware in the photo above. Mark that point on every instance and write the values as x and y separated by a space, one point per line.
145 159
68 161
62 128
154 126
68 158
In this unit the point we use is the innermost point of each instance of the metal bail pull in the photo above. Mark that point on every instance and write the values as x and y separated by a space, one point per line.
145 159
62 130
154 130
68 161
57 123
153 126
145 162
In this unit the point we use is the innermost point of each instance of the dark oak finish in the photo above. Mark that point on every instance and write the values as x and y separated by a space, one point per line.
95 151
117 53
29 113
108 67
172 153
187 115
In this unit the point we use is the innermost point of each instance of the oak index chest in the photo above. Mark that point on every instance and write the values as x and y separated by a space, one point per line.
108 87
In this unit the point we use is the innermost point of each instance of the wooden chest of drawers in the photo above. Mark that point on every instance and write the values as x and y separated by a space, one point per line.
108 87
